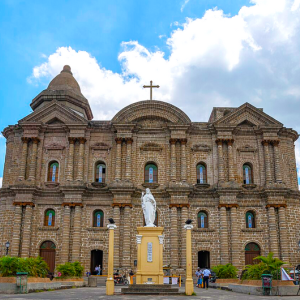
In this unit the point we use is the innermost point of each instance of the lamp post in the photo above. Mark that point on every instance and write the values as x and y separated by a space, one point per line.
7 244
110 285
189 288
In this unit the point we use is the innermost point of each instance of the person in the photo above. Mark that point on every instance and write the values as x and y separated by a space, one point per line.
206 275
199 277
97 270
131 273
88 273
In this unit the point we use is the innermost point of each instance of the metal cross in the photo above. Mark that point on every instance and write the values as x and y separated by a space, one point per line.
151 87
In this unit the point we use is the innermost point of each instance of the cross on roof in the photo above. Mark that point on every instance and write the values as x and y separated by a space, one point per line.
151 87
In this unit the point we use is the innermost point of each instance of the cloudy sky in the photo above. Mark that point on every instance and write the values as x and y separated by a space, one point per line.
202 53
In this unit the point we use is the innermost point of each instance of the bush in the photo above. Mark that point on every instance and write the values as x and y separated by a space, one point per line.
34 266
74 269
225 271
254 272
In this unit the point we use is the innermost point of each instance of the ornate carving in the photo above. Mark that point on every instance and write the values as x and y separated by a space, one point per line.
183 141
118 140
72 140
25 139
247 148
129 140
54 146
82 140
100 146
35 140
201 148
161 239
173 141
139 238
188 226
151 147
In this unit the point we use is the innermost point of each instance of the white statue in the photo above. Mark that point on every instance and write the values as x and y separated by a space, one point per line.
149 208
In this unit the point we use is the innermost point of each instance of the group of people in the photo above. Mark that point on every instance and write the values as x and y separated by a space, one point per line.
203 277
98 270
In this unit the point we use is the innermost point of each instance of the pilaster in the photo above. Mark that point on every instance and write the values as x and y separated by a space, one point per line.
273 231
118 159
220 160
25 251
80 159
64 256
183 159
76 234
126 237
129 142
174 238
224 251
23 162
70 165
32 166
16 235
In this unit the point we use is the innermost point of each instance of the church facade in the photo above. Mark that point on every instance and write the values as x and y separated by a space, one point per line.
66 174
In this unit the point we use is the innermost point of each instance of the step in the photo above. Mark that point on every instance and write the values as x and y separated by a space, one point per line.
151 286
150 290
153 293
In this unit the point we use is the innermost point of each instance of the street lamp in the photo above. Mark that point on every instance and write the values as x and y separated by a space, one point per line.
7 244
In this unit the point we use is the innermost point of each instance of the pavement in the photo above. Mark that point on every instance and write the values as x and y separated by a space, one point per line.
87 293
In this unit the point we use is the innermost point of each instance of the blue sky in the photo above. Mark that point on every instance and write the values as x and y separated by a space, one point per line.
223 54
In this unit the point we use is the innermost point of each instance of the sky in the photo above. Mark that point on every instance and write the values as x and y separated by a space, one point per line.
202 53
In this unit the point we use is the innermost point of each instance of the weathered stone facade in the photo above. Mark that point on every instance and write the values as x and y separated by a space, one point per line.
61 129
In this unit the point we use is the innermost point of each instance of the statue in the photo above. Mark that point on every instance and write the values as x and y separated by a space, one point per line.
149 208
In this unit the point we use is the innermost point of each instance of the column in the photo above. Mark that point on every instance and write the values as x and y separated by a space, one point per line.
79 176
25 250
235 238
267 162
118 159
116 213
230 160
110 285
70 165
16 234
283 234
220 159
189 287
224 236
174 238
183 159
23 161
128 158
76 234
184 217
278 175
173 159
139 259
273 238
161 249
126 237
64 256
32 166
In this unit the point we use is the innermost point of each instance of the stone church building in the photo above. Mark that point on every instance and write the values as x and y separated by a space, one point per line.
65 174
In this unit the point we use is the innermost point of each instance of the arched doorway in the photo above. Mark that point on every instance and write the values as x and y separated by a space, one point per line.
251 251
96 260
47 252
203 259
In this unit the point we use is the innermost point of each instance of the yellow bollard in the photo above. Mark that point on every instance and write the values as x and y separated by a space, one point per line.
110 285
189 287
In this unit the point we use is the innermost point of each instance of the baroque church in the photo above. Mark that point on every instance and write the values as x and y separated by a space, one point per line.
65 174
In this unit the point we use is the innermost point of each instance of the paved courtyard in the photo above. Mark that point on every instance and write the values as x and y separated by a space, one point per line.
99 293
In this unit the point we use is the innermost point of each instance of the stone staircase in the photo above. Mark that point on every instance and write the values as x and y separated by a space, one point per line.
150 289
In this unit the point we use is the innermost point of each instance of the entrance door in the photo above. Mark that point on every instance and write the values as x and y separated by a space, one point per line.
96 260
47 252
203 259
251 251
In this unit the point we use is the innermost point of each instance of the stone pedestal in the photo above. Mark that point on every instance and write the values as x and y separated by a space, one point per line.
150 255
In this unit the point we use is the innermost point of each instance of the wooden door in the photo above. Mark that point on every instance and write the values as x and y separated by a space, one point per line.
252 250
47 252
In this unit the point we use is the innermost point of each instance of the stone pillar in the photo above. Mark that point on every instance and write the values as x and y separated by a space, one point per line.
128 158
283 234
25 250
278 175
224 236
173 159
235 238
220 160
64 256
32 166
184 217
116 213
230 160
273 238
267 162
118 159
79 176
70 165
76 234
16 234
23 162
126 237
189 287
110 285
183 159
174 238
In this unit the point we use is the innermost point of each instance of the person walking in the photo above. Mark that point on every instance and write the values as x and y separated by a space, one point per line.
97 270
206 275
199 277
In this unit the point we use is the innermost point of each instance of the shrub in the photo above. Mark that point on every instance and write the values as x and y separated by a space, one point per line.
225 271
254 272
74 269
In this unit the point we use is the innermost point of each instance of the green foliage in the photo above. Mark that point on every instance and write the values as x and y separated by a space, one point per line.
34 266
254 272
225 271
74 269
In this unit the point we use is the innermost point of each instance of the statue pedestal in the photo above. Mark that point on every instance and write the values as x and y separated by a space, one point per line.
150 255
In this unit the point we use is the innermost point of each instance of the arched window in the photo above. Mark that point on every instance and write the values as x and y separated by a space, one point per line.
49 217
151 173
53 171
247 174
98 218
100 172
202 219
250 219
201 173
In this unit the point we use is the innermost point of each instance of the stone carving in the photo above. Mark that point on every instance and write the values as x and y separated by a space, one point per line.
201 148
149 208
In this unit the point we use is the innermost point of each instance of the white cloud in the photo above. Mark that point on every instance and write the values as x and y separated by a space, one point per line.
1 179
1 136
184 4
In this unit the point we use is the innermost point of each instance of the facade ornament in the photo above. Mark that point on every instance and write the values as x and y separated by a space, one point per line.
161 239
188 226
139 238
111 226
149 208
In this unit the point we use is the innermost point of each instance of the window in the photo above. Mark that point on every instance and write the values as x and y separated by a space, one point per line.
100 172
53 171
49 217
98 218
151 173
250 219
201 174
247 173
202 220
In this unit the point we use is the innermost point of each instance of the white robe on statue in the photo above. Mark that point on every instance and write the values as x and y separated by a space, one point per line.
149 208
